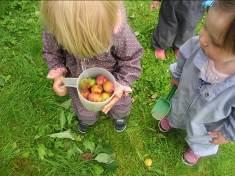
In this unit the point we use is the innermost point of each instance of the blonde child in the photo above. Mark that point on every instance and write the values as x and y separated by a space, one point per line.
85 34
204 104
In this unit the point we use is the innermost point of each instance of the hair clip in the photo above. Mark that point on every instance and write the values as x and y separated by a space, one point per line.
208 3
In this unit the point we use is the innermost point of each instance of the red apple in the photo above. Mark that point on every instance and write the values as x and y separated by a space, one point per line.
95 97
85 93
108 87
97 89
100 79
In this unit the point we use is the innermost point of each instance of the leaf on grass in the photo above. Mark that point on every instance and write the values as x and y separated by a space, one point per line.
159 172
111 167
73 150
132 16
7 78
63 135
155 95
37 13
139 155
41 151
58 144
77 137
89 145
2 82
137 33
161 136
62 120
104 158
103 149
37 136
66 105
69 118
25 155
50 153
98 170
14 145
78 150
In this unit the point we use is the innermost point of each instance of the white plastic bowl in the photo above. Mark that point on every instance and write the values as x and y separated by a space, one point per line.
91 72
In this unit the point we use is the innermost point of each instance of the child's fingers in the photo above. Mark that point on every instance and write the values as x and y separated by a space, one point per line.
122 90
61 91
107 107
127 90
215 141
213 134
59 86
217 137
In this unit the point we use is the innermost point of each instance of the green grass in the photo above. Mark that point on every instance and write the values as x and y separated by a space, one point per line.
29 111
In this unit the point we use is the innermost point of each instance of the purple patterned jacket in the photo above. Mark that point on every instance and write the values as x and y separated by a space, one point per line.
122 60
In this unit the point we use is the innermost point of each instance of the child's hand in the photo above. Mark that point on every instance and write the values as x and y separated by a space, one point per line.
217 137
59 86
154 5
119 92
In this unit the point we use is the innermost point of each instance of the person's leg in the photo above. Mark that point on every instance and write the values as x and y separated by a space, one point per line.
165 32
198 147
120 112
188 14
86 118
199 142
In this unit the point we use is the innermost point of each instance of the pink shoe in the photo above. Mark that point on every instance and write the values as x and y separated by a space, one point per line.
160 54
176 52
164 125
190 158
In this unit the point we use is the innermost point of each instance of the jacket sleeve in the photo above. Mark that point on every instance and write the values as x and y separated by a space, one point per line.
128 52
228 128
185 52
52 52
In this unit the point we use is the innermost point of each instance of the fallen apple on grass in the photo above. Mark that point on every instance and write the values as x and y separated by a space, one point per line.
148 162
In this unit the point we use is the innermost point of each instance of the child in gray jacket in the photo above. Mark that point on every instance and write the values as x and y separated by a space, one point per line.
204 104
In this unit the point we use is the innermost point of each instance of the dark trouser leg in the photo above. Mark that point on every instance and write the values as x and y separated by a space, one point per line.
84 116
165 33
188 14
121 109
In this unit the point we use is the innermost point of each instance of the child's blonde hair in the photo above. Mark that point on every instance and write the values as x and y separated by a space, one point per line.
84 28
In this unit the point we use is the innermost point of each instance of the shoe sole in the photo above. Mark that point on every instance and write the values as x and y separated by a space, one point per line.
119 131
186 163
82 132
161 129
